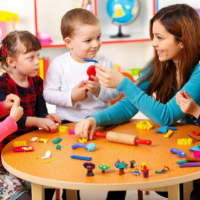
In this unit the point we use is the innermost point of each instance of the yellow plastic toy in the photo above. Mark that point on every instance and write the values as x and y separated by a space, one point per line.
184 141
168 134
145 125
19 144
62 129
9 17
82 141
43 140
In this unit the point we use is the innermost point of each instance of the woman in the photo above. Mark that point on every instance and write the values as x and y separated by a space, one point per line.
175 35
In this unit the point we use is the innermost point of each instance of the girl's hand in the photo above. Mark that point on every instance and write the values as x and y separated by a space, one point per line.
178 97
109 78
16 111
54 117
188 105
93 86
9 101
85 128
46 124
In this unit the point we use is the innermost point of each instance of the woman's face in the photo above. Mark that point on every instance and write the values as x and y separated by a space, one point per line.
164 43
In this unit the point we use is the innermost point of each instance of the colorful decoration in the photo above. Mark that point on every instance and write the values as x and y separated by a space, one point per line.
136 172
104 167
89 166
121 166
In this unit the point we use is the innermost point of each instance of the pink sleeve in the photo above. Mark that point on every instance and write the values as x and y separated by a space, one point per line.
3 111
7 127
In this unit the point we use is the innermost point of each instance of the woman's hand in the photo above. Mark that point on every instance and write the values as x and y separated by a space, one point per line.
9 101
109 78
54 117
85 128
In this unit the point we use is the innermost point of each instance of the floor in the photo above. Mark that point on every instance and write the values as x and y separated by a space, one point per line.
101 195
130 195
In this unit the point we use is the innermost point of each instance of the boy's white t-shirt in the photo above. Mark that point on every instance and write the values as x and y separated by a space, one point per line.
63 75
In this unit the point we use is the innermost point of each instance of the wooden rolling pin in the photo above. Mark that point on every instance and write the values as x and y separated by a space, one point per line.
122 138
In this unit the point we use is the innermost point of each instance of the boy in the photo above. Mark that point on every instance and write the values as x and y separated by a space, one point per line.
65 86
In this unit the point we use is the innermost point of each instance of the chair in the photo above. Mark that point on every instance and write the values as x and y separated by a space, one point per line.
112 102
57 194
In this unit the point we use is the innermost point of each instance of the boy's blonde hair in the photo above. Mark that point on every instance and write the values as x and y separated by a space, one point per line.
74 17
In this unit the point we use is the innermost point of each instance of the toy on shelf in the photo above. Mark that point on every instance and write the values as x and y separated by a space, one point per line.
21 146
121 166
145 125
184 141
103 167
89 147
122 138
180 153
163 171
136 172
132 162
57 140
81 157
89 166
45 38
7 17
62 129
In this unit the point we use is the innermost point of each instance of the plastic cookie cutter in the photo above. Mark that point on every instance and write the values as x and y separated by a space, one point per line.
196 154
89 147
180 153
91 70
57 140
23 149
62 129
145 125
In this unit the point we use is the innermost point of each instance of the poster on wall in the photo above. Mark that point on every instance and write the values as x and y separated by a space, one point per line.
163 3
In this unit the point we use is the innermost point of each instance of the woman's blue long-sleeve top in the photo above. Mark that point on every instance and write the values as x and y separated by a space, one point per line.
137 100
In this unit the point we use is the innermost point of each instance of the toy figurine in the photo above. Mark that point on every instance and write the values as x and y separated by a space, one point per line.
89 166
121 166
145 171
136 172
132 162
163 171
104 167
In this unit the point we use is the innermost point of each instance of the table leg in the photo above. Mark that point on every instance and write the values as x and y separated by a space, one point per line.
71 194
174 192
37 192
187 189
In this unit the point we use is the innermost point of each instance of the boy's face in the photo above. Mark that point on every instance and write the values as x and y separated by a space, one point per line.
85 43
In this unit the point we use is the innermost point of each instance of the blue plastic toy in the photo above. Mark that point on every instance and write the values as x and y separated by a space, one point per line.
180 153
90 60
89 147
81 157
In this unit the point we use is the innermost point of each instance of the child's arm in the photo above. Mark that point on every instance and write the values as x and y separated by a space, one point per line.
52 92
4 111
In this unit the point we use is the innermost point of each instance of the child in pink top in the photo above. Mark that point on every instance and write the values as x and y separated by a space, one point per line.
11 106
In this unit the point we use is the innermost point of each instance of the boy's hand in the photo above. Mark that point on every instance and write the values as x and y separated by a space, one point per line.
188 105
16 111
10 99
46 124
54 117
93 86
85 128
79 93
